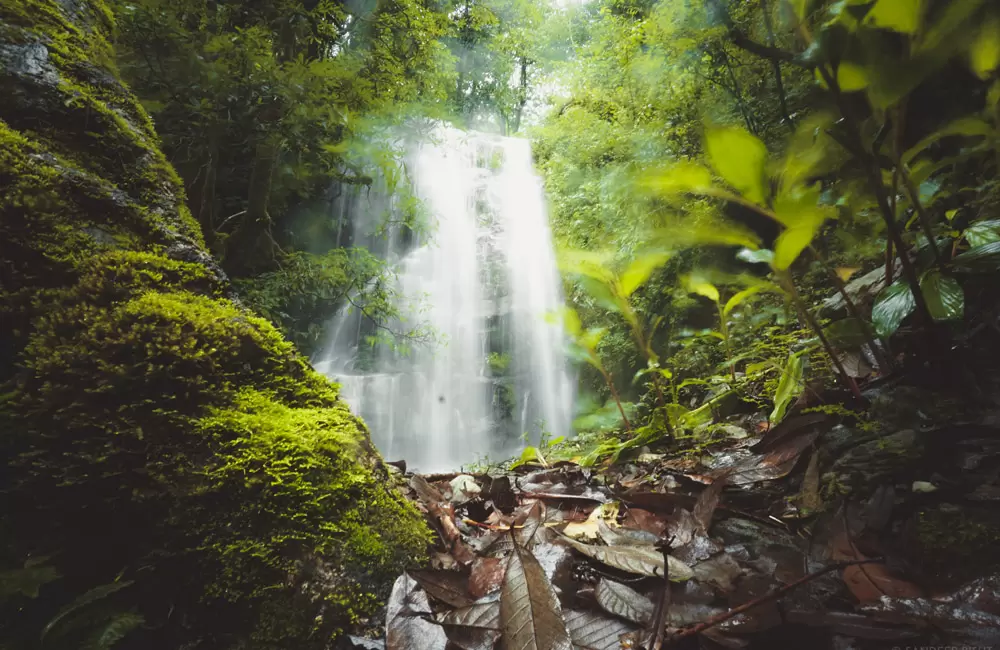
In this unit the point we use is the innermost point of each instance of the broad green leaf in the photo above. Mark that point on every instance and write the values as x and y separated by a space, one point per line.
592 337
602 292
716 233
983 232
589 264
892 305
811 151
944 296
789 386
739 158
851 77
848 333
898 15
791 242
703 288
737 299
639 270
981 259
571 321
964 126
984 54
677 179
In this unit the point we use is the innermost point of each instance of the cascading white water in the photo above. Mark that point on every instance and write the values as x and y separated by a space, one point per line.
486 280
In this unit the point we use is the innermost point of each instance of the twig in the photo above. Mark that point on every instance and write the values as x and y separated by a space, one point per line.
659 627
777 593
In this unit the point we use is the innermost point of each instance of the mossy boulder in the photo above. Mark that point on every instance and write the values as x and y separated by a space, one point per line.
154 430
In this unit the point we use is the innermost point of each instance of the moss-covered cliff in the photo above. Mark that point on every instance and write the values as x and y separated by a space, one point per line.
154 430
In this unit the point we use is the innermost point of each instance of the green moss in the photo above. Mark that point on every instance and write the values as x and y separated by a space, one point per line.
239 459
946 532
162 430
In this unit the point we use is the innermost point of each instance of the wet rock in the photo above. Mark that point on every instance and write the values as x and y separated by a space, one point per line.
862 291
864 467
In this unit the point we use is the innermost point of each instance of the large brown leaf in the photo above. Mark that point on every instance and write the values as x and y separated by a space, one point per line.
528 523
530 616
641 560
592 631
450 587
475 627
405 625
623 601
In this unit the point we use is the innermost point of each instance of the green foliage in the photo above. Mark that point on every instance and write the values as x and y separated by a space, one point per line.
789 386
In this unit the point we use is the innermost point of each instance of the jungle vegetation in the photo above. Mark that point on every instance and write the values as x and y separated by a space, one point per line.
750 197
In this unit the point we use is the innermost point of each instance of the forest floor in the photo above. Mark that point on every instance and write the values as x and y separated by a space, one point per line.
820 532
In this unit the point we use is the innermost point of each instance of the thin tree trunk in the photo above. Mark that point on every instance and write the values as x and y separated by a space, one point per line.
776 66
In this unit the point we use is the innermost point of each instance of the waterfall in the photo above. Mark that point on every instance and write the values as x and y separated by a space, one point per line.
484 282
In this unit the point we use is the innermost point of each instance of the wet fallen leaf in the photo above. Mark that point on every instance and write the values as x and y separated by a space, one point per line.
484 614
526 526
623 601
591 631
868 582
681 527
809 498
487 575
450 587
585 529
704 508
719 571
530 615
641 560
622 536
405 626
640 519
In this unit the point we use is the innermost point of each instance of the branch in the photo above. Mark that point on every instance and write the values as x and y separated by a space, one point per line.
777 593
744 42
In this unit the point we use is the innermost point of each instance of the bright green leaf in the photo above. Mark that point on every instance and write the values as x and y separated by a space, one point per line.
738 299
851 77
984 54
592 337
702 288
789 386
603 293
893 304
898 15
715 233
792 241
639 270
944 296
589 264
677 179
739 158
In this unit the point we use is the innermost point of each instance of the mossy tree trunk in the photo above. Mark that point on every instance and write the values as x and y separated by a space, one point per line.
153 430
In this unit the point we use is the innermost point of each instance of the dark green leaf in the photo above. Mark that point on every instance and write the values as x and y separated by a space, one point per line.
944 296
982 259
94 595
892 305
982 233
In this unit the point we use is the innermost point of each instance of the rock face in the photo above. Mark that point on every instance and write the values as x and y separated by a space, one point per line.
153 429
